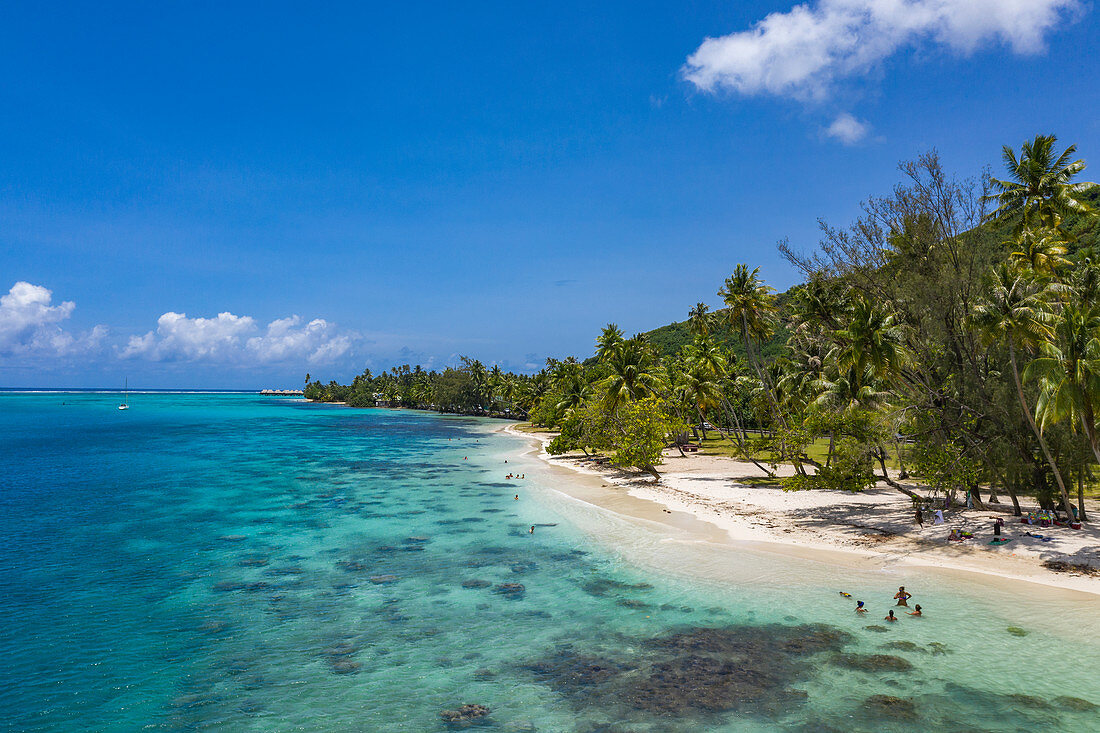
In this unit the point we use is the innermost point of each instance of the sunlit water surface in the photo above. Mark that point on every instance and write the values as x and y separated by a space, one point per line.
251 563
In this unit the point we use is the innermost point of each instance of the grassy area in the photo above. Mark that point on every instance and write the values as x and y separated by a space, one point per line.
717 445
526 427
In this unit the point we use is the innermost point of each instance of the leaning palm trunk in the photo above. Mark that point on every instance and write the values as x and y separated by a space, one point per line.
702 422
739 435
1038 433
1081 495
778 413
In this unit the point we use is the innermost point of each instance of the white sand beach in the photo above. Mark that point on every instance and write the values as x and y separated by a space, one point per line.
872 528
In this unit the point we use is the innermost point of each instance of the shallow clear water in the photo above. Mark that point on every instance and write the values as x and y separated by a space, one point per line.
251 563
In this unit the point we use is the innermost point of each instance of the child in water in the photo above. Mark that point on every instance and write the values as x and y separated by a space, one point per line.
890 616
860 608
915 611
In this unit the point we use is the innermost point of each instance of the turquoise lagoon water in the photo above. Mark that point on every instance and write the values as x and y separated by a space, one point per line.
236 562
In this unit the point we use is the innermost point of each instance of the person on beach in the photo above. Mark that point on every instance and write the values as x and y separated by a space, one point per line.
860 608
902 597
890 616
920 517
915 611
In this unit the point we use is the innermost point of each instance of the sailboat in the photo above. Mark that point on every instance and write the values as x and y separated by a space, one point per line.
125 389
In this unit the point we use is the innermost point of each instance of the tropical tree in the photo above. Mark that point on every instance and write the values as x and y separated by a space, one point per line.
633 374
751 310
1040 190
1041 252
1069 374
1015 314
609 340
700 319
698 388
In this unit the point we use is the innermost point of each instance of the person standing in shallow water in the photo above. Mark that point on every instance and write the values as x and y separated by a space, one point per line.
902 597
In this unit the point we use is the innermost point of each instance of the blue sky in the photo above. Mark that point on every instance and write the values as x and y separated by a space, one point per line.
364 184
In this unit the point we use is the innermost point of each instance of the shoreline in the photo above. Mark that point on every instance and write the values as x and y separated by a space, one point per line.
873 530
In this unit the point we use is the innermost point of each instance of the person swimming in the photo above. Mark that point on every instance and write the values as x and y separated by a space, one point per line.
532 529
890 616
902 597
846 595
517 497
860 608
915 611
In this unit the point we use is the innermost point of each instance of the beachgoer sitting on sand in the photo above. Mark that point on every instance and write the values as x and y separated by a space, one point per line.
939 517
915 611
860 608
954 536
890 616
901 596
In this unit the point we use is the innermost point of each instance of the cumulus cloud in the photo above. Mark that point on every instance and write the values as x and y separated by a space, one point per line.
286 339
29 324
803 52
847 129
228 338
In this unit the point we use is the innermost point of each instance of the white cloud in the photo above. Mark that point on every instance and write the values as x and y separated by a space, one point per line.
847 129
29 324
179 338
286 339
803 52
229 339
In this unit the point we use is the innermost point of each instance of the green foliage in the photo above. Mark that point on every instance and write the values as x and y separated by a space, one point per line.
851 469
946 466
857 436
641 430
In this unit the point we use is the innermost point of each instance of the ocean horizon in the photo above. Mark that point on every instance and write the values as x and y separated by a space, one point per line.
227 560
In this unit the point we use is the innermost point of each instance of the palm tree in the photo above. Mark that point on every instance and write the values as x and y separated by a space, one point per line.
699 319
575 392
709 354
1040 190
871 347
633 375
818 306
1041 252
751 309
1015 314
608 340
698 388
1069 374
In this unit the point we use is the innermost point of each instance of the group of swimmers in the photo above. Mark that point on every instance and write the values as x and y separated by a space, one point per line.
902 597
516 476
